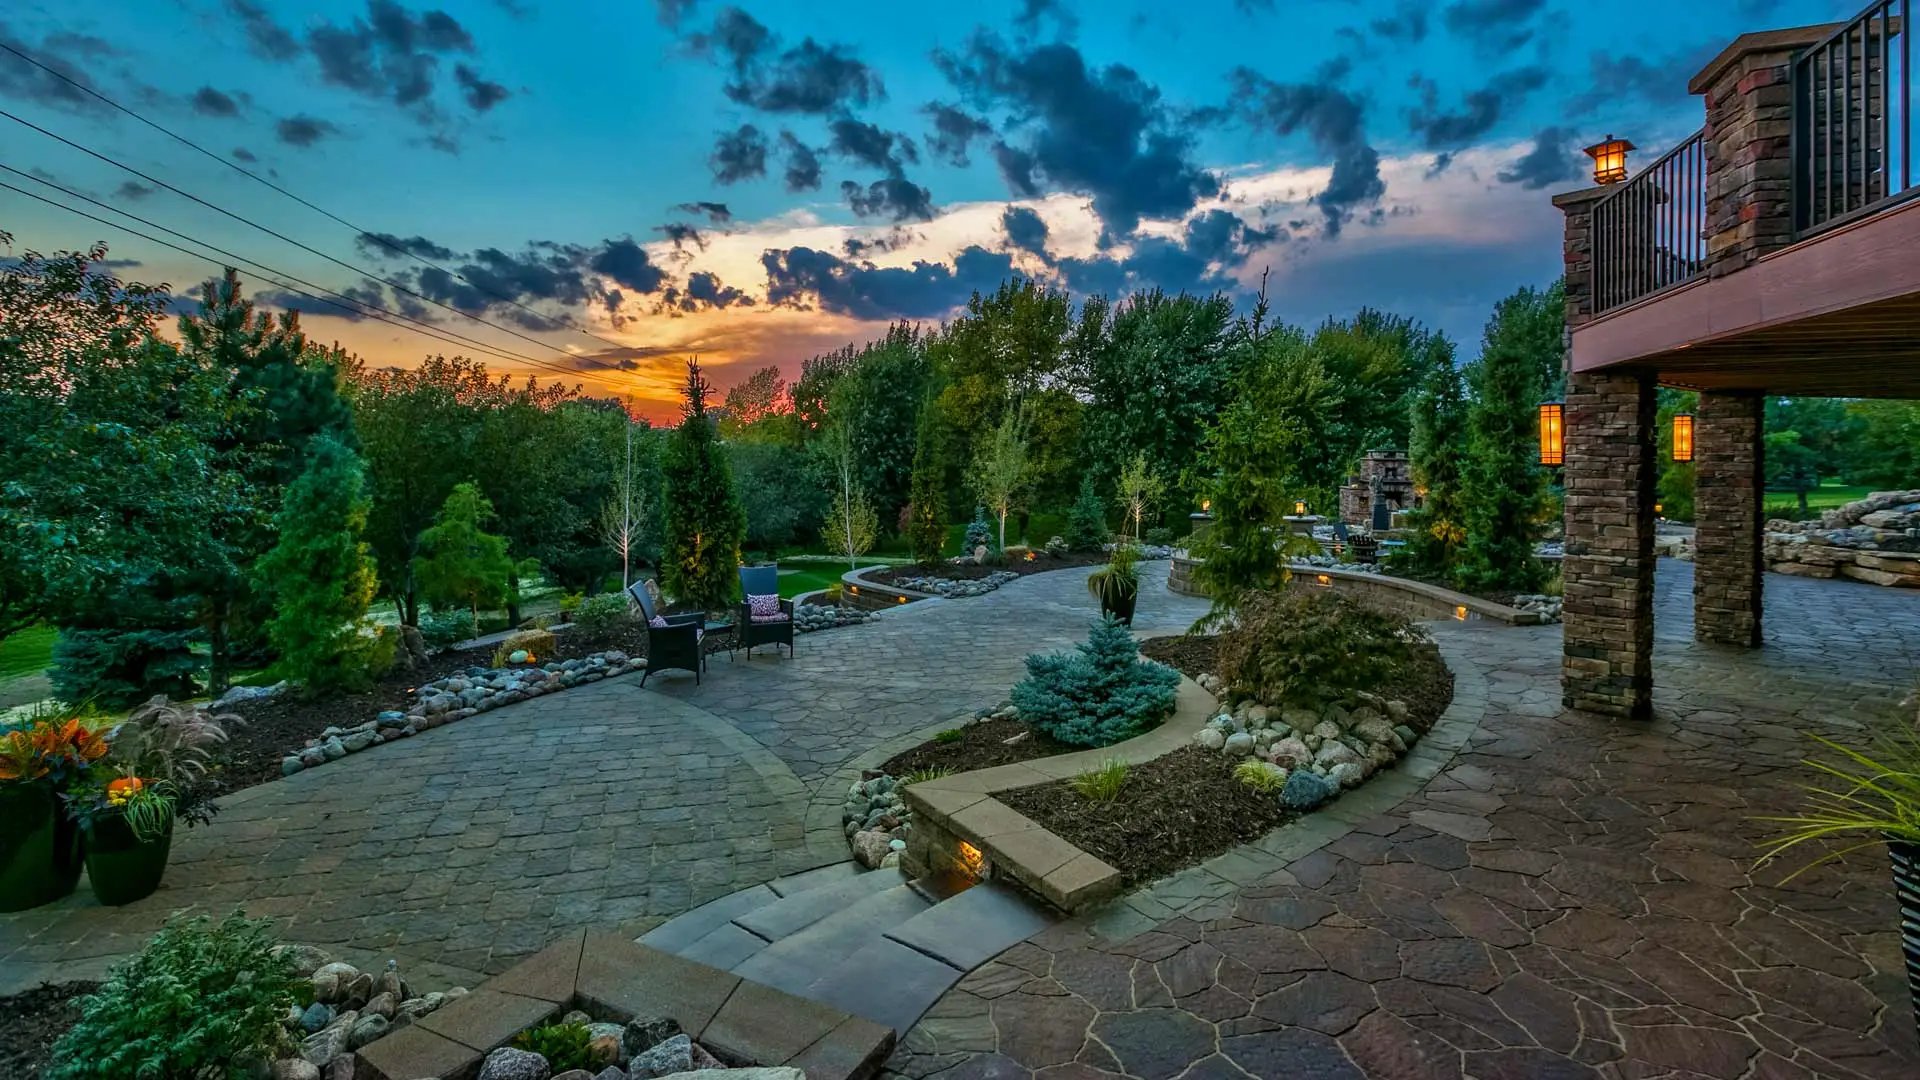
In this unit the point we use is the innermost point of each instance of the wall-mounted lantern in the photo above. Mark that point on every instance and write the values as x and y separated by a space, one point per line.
1683 436
1609 160
1553 433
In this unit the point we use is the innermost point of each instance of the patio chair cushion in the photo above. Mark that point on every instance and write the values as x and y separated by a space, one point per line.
763 608
661 622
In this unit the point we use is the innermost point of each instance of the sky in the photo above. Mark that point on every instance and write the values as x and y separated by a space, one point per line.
597 191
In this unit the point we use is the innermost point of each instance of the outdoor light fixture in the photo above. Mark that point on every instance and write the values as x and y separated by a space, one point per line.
1300 507
1460 612
1683 436
1609 160
1206 505
1323 580
1553 433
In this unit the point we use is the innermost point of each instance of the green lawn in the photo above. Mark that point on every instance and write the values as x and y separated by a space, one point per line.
1824 497
809 577
27 652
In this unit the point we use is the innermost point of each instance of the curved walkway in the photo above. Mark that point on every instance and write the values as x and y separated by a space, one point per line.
1572 898
470 846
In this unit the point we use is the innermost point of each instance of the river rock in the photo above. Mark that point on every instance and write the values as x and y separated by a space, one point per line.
325 1045
369 1027
675 1055
1239 744
779 1073
647 1032
1374 729
294 1069
382 1005
870 846
1210 738
333 748
1290 753
508 1063
1348 774
1334 752
316 1017
307 959
574 1074
1304 790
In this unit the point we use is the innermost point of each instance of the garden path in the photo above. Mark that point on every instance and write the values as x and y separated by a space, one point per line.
1570 898
472 845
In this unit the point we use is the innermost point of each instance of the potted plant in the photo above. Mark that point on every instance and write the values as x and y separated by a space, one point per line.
1117 584
39 845
162 752
1871 800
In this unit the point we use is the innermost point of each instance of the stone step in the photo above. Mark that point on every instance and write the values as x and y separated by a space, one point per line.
812 879
973 926
678 933
796 961
803 908
885 982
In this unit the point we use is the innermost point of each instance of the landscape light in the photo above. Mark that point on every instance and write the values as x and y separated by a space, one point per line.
1553 433
1609 160
1300 507
1683 436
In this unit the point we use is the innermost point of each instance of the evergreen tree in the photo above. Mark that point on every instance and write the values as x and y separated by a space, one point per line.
464 565
1505 486
927 498
1438 450
704 521
1099 694
1087 519
320 575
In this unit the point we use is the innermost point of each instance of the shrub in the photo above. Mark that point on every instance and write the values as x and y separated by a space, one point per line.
443 628
951 735
1086 519
1098 695
979 533
1057 547
320 575
570 603
121 667
200 1001
1102 783
608 611
565 1046
1160 535
1310 647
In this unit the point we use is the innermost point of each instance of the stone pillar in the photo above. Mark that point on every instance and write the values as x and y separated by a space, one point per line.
1576 251
1729 495
1607 666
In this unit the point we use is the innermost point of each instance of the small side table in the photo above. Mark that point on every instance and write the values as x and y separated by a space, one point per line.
723 627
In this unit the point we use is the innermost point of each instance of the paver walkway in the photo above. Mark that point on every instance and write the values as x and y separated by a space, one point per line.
1572 898
473 845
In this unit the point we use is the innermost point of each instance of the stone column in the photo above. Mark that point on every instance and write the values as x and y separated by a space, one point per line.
1729 494
1607 666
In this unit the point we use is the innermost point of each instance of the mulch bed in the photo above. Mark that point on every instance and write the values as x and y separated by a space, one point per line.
31 1022
285 721
1189 654
981 745
1424 683
1172 812
1041 563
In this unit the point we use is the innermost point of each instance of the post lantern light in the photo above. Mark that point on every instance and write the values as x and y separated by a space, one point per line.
1609 160
1300 507
1553 433
1683 436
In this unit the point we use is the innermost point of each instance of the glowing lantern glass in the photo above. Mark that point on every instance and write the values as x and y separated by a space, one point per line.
1553 433
1609 160
1300 507
1683 436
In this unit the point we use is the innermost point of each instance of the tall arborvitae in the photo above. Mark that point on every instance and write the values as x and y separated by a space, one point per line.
704 520
320 575
1505 484
1439 452
927 498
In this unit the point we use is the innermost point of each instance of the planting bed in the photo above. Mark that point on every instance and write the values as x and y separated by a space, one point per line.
31 1022
982 744
970 571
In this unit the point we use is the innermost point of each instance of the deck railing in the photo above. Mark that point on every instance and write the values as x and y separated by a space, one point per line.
1852 120
1649 234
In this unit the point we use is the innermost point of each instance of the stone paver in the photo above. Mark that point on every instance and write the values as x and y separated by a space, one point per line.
1570 897
471 846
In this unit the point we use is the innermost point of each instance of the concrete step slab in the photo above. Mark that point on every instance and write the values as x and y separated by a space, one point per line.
725 947
796 961
804 908
677 934
830 874
973 927
887 983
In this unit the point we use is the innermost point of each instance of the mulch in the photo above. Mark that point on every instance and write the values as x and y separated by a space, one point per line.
31 1022
1040 563
273 726
982 745
1171 813
1189 654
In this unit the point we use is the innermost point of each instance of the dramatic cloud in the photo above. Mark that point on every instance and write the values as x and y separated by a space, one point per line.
71 55
304 130
1104 133
134 191
868 144
1408 23
1493 26
1033 12
803 164
1335 121
627 263
954 130
1553 159
1660 82
1481 109
681 234
387 246
241 153
715 212
703 291
739 155
210 102
481 94
266 37
808 78
893 197
1025 230
1213 243
804 278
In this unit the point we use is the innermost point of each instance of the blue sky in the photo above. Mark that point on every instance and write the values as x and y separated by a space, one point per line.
558 168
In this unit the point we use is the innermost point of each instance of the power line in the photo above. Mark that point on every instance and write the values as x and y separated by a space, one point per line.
373 311
250 174
396 286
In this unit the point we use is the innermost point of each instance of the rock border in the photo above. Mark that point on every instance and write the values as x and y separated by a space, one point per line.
1415 599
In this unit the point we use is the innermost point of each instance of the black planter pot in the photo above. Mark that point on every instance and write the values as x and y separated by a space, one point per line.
1121 606
121 867
1906 890
39 848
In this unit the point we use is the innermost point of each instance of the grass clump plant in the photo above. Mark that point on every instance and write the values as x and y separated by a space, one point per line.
1102 783
1866 797
565 1046
931 772
951 735
1262 776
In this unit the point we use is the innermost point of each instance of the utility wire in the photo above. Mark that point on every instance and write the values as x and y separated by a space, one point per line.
396 286
372 311
235 166
441 334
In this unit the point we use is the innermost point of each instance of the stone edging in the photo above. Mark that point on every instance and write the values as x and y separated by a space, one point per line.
607 973
1473 605
857 580
961 807
1206 891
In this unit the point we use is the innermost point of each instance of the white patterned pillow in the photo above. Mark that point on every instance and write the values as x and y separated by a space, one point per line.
659 621
763 607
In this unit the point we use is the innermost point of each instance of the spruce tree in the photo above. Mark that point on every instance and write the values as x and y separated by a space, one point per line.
927 497
463 564
321 576
704 520
1439 453
1087 519
1504 482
